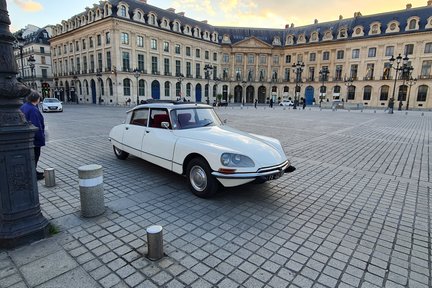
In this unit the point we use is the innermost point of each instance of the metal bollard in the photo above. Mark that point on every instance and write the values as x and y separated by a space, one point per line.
155 242
91 190
49 175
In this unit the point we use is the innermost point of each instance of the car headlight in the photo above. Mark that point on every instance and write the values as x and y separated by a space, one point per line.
236 160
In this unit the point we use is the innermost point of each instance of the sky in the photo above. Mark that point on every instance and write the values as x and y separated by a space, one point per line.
238 13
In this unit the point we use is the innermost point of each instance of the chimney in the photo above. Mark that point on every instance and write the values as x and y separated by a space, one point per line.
316 21
429 3
340 17
408 6
171 10
357 14
287 25
181 13
292 25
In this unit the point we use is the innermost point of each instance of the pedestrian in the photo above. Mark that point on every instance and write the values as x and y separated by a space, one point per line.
391 105
128 101
34 116
271 103
304 103
255 103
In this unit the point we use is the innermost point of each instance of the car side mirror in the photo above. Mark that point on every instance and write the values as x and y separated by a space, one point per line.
165 125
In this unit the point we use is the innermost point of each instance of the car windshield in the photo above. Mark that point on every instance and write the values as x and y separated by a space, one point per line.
51 100
194 118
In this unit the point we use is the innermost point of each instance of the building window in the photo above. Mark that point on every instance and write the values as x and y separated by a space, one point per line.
167 89
263 59
215 56
412 24
43 61
108 60
351 92
124 38
107 38
188 51
428 47
198 70
384 93
206 55
141 62
275 59
99 56
91 42
99 40
338 73
370 71
354 71
197 53
178 67
422 93
188 89
126 87
123 11
166 46
340 54
83 44
177 49
372 52
125 58
326 55
153 44
251 59
367 93
355 53
76 46
409 49
140 41
155 65
141 87
167 66
188 69
312 57
287 74
239 58
426 69
225 58
287 59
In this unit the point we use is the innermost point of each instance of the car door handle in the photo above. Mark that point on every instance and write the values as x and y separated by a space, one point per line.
147 131
127 128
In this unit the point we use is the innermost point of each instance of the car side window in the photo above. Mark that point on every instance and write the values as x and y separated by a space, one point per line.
157 116
140 117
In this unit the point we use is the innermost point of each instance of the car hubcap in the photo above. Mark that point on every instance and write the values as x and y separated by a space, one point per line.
198 178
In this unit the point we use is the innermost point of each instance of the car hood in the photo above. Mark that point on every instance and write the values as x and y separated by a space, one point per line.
265 151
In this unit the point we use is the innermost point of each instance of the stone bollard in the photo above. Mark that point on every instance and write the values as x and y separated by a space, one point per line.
91 190
49 175
154 242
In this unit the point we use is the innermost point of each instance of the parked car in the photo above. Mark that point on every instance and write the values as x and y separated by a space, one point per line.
337 104
190 139
286 103
52 105
221 103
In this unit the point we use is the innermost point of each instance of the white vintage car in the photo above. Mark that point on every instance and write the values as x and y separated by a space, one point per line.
190 139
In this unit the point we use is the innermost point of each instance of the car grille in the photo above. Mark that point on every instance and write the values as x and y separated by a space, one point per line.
266 169
52 107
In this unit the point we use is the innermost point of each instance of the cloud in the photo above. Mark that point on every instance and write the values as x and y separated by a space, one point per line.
29 5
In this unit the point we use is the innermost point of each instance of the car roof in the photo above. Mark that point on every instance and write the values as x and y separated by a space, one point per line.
170 105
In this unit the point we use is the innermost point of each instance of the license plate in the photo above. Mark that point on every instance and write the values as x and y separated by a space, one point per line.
275 176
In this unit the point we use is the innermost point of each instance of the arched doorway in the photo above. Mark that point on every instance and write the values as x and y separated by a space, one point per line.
93 91
309 95
261 94
198 95
155 89
250 91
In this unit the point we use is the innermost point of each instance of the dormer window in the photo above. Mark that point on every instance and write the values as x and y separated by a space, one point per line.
123 11
177 26
358 31
328 35
314 37
412 23
342 33
152 19
290 40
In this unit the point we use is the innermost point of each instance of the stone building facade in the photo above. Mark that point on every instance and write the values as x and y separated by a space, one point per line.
120 50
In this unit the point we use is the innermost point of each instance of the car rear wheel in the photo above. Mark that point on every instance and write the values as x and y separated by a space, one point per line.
120 154
201 182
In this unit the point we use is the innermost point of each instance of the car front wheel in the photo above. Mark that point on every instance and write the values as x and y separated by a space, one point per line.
201 182
120 154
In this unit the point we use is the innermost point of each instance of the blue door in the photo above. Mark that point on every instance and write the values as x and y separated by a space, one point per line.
155 90
309 95
93 91
198 93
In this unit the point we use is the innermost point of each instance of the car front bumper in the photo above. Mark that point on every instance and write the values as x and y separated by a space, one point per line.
262 175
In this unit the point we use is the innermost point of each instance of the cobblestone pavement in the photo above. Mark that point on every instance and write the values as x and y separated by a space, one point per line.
355 213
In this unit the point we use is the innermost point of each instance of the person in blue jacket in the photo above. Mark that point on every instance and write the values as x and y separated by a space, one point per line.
34 116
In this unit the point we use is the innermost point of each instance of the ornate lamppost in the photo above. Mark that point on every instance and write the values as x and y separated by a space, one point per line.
411 81
208 69
21 219
348 83
398 68
323 75
180 78
298 70
137 74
